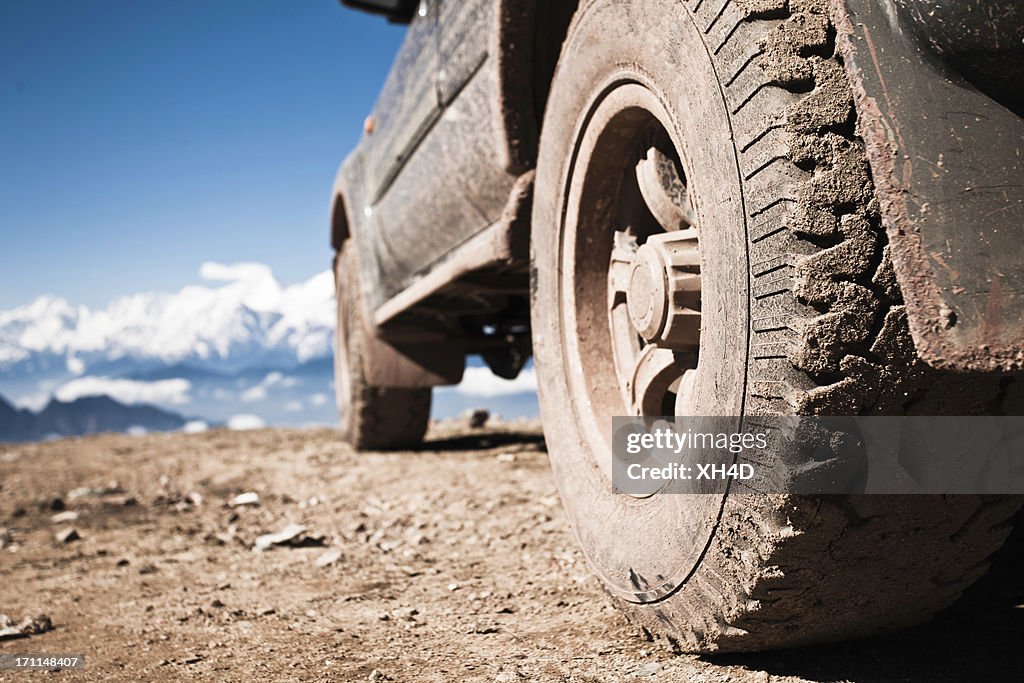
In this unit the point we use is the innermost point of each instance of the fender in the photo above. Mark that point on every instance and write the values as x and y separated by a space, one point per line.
390 363
939 106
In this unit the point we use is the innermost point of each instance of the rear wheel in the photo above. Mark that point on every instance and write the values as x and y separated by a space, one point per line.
372 418
706 241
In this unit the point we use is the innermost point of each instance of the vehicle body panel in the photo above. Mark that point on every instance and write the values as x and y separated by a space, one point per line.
948 166
455 126
433 172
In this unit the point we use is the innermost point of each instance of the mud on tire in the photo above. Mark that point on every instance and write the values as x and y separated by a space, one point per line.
809 321
372 418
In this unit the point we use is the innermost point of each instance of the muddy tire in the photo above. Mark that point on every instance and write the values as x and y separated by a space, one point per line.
798 309
372 418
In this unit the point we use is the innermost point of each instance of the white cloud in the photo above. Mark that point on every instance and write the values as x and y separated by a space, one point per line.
318 400
253 394
293 407
245 421
234 272
195 427
75 365
172 391
34 402
478 381
259 392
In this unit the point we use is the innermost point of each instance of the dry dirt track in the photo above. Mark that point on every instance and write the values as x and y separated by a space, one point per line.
454 565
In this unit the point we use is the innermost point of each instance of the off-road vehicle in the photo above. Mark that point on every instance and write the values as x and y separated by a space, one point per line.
702 207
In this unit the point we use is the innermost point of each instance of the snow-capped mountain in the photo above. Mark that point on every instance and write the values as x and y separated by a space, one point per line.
248 321
240 346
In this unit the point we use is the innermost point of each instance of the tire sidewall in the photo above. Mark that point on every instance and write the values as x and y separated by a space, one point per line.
656 44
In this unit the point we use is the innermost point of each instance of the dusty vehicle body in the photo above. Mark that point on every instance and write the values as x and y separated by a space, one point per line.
711 207
438 196
457 125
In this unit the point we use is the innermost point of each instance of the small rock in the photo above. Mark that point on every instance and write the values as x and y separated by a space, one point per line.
293 535
378 676
112 488
328 558
282 537
64 517
476 418
123 562
505 457
8 631
67 535
247 498
51 504
453 586
29 626
406 613
11 633
648 669
41 623
5 538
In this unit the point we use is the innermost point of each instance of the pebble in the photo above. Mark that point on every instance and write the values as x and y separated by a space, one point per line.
330 557
67 535
29 626
476 418
293 535
648 669
247 498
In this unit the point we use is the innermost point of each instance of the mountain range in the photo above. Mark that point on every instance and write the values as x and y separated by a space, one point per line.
240 345
88 415
249 321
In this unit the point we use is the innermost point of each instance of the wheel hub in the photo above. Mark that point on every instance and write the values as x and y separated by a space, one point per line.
654 292
663 298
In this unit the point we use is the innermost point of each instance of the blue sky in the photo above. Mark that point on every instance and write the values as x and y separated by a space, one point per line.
139 139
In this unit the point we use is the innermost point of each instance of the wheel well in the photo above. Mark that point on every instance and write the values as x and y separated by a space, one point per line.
551 25
339 222
530 36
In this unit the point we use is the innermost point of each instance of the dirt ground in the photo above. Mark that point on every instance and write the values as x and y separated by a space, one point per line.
450 564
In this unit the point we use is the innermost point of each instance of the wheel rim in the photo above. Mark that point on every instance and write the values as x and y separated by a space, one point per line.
630 231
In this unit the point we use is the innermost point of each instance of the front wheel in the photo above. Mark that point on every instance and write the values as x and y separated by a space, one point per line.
372 418
706 242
